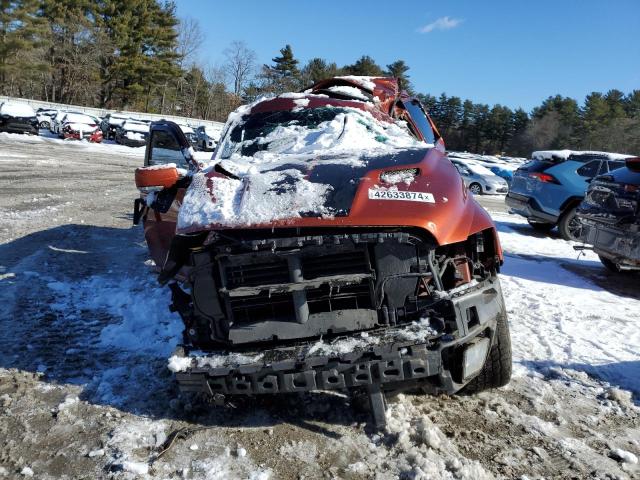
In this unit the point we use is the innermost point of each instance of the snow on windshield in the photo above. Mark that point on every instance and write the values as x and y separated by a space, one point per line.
17 110
271 154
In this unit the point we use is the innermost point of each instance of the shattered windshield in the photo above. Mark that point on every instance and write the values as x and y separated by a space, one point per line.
309 130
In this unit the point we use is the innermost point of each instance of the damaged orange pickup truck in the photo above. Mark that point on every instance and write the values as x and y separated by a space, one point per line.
329 244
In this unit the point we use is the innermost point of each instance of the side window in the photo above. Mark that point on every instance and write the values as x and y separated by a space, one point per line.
420 119
165 149
615 165
589 169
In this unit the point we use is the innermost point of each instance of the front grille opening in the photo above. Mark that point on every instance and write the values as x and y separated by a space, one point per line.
342 263
252 274
347 297
262 307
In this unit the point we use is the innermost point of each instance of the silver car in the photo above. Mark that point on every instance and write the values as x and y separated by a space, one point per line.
480 180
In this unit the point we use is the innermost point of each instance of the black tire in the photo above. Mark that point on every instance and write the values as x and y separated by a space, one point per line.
614 267
497 367
569 225
475 188
541 226
44 124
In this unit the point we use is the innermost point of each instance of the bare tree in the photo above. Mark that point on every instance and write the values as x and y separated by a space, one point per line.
239 65
190 38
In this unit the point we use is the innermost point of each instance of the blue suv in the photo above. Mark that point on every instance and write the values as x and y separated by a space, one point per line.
548 189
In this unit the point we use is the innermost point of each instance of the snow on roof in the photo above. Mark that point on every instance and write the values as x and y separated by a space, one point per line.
79 118
565 154
17 110
353 92
366 82
134 126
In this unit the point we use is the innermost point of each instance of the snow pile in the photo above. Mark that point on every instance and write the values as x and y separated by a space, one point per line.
146 324
17 110
423 450
564 154
272 183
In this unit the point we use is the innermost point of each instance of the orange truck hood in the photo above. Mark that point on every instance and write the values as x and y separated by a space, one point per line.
426 192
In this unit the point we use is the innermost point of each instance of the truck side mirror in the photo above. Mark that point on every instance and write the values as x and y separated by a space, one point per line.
168 145
156 178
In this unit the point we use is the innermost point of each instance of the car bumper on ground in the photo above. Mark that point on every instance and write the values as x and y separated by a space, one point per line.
528 207
620 245
441 363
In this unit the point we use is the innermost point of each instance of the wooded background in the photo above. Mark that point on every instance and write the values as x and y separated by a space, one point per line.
138 55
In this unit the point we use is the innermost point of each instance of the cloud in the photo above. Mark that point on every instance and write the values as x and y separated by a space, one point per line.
442 23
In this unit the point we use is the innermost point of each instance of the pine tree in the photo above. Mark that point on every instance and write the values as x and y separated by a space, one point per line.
286 65
142 55
399 69
318 69
20 36
365 66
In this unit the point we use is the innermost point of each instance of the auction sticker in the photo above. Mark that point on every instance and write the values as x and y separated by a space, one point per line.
379 194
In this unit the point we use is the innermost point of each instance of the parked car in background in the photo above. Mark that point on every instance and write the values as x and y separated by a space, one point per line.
57 120
548 189
18 118
479 179
44 116
190 134
502 172
323 222
109 124
79 126
207 138
610 217
133 133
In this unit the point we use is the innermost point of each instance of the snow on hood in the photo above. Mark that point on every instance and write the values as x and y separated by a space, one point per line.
17 110
294 170
564 154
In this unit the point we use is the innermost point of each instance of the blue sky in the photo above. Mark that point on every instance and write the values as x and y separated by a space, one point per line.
515 52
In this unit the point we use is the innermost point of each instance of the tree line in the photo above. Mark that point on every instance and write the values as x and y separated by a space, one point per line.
139 55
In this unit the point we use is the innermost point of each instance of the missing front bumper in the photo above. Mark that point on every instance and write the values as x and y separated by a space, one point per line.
437 362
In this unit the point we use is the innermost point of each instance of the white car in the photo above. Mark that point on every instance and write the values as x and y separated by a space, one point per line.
478 179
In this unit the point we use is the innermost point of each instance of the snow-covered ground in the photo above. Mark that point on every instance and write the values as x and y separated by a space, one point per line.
85 391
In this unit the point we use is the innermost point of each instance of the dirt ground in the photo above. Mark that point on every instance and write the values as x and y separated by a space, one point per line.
73 406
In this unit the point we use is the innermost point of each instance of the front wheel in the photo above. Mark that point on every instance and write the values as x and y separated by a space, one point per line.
475 188
569 225
44 124
497 367
541 226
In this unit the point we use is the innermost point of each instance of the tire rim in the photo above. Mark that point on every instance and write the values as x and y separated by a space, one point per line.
475 189
574 227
